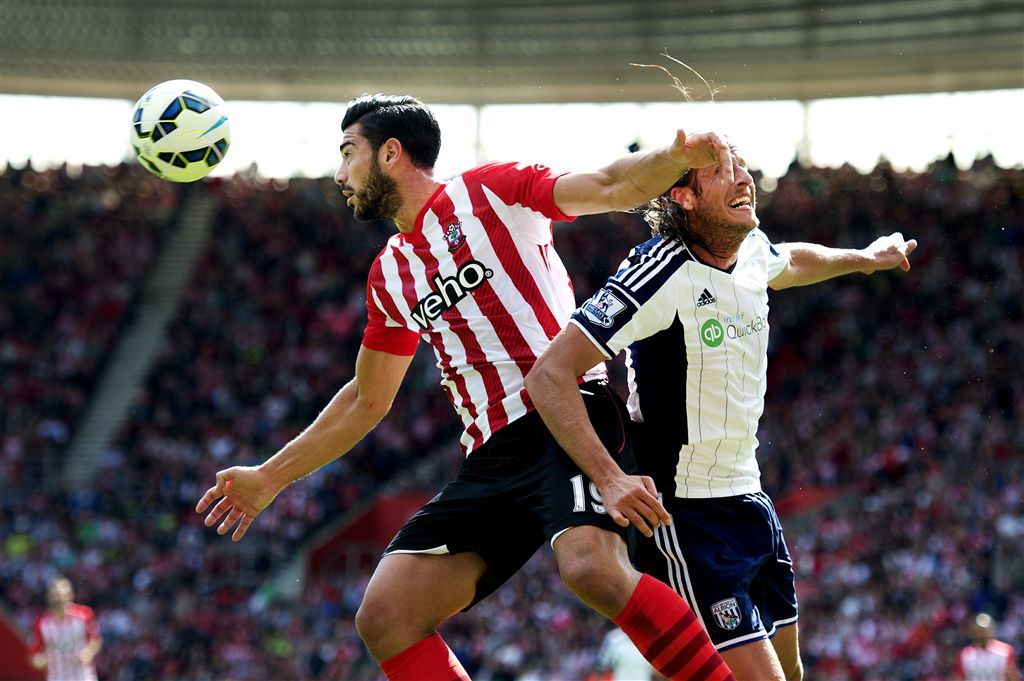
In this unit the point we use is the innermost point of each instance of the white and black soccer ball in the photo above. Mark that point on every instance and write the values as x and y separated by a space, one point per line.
180 131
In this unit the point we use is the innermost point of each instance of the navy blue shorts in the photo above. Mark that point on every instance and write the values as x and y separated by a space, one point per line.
518 490
727 557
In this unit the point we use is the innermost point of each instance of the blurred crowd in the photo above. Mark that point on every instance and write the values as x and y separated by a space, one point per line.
899 391
73 252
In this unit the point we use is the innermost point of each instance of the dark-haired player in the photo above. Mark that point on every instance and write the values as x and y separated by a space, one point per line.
691 304
472 271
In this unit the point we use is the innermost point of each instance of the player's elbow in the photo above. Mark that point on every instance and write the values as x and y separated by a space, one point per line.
372 408
533 380
543 378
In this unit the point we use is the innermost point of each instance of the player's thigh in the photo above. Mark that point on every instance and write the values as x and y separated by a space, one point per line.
424 586
710 554
484 510
561 495
754 661
787 649
774 591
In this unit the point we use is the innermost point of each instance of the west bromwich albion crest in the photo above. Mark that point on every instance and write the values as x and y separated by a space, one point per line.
727 614
453 235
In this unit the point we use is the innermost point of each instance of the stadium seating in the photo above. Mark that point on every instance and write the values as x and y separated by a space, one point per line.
75 250
900 394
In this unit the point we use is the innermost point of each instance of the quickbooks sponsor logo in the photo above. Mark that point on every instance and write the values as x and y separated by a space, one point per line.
711 333
757 325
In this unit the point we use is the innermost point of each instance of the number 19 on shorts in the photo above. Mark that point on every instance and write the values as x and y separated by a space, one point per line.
580 502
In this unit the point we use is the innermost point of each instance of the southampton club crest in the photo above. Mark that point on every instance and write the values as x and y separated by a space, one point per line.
453 235
727 614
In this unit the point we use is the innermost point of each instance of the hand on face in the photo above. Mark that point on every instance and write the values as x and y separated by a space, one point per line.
701 150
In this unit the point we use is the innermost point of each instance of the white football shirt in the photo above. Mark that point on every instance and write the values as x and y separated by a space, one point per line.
697 340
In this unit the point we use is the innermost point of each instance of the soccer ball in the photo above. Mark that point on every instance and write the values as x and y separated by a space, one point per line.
180 131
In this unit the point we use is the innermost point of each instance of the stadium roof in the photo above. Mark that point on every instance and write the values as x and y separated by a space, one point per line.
479 51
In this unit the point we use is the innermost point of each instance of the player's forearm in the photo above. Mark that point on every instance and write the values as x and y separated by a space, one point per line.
340 426
90 650
556 396
636 179
812 263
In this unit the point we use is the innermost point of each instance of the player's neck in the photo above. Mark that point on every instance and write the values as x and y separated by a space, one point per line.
417 188
720 259
717 244
59 610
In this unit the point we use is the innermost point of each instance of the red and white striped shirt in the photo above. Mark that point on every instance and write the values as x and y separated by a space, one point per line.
991 663
478 279
63 639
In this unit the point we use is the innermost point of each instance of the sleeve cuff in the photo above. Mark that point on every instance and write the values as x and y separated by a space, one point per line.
605 350
403 343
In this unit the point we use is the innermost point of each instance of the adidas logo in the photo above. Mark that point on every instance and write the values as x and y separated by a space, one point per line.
706 299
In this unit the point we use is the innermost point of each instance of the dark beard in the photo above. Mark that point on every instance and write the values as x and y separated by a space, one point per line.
379 198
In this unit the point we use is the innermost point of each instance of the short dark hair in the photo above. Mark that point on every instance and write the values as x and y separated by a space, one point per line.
405 118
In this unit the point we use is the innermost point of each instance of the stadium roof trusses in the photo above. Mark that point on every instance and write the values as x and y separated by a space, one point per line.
479 51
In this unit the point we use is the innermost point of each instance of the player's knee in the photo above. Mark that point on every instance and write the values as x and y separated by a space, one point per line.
598 580
367 623
374 621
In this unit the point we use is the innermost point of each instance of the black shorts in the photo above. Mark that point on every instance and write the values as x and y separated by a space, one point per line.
516 491
727 557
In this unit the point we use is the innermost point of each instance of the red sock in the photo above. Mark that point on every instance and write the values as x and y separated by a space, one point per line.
665 630
428 660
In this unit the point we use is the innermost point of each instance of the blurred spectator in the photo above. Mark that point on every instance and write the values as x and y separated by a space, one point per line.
621 659
74 251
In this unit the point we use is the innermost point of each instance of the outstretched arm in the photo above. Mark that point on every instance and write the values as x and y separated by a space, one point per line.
811 263
555 393
244 491
634 180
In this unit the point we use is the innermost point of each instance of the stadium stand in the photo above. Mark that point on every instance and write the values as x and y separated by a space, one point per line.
897 393
75 250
